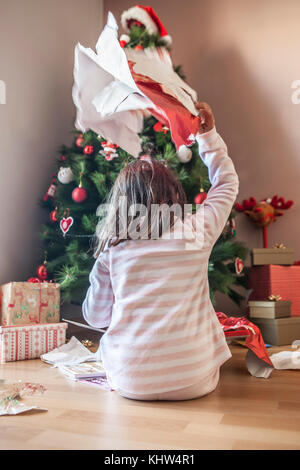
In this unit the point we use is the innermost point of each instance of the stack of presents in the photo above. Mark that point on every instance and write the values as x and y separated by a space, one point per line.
29 320
274 302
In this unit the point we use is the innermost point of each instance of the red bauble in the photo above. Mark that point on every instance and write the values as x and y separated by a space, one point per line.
79 195
159 127
139 47
88 150
200 198
63 158
123 44
41 272
53 216
79 141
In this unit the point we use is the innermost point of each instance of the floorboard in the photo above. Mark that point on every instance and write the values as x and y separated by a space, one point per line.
242 413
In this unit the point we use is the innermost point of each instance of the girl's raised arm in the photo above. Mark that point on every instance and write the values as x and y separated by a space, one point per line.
222 175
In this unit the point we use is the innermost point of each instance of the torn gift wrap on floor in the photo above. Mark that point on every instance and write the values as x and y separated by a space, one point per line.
258 361
73 352
11 395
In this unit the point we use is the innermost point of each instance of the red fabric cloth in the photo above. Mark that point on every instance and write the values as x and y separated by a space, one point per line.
254 339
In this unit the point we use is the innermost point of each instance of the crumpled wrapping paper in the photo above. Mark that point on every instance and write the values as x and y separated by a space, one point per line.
113 92
70 353
286 360
258 361
11 395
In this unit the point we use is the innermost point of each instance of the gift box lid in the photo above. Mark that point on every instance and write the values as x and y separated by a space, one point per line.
284 321
38 326
272 250
32 284
268 303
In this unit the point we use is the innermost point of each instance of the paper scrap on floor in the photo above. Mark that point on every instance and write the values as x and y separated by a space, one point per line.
11 394
70 353
286 360
83 370
100 382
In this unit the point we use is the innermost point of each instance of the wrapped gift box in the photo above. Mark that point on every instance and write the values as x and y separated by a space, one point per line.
281 256
30 341
27 303
269 309
279 331
276 280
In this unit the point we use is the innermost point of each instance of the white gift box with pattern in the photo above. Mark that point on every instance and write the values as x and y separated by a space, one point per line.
30 341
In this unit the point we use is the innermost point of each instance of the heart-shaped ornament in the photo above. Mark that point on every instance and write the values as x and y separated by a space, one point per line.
65 224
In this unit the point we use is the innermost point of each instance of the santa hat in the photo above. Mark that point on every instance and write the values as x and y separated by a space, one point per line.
147 16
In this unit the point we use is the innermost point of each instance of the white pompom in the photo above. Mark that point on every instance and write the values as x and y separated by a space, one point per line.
184 154
167 39
124 37
65 175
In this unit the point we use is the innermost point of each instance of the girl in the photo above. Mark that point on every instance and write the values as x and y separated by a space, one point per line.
164 341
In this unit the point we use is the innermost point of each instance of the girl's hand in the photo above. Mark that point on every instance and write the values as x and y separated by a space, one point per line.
206 116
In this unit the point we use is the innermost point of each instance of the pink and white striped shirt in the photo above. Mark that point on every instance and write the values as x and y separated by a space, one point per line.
153 295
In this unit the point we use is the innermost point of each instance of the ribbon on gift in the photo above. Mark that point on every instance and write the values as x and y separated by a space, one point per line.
279 246
274 298
87 343
36 280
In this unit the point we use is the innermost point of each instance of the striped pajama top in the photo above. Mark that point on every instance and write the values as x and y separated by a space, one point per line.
153 295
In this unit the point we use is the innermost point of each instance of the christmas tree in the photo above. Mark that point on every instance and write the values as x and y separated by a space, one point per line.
86 171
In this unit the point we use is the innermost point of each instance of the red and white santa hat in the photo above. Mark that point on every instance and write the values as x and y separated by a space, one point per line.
147 16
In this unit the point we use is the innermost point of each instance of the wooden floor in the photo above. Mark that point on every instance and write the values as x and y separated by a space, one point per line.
243 413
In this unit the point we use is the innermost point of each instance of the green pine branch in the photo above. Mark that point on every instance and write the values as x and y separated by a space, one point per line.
139 35
70 257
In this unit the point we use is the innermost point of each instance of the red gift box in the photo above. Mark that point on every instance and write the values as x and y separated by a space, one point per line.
277 280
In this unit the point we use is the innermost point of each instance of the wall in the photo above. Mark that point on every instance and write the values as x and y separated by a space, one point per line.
242 57
37 40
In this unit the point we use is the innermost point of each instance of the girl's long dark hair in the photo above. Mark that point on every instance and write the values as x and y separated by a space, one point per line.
148 182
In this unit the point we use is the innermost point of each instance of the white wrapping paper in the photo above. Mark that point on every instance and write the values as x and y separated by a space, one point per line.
72 352
106 96
286 360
